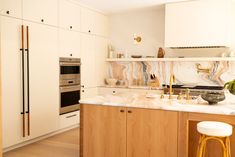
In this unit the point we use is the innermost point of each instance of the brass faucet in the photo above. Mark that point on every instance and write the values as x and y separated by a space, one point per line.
187 93
172 80
202 70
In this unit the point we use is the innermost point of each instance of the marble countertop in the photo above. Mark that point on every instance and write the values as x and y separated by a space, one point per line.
226 107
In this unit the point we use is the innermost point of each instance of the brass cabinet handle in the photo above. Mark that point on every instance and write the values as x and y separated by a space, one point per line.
122 110
129 111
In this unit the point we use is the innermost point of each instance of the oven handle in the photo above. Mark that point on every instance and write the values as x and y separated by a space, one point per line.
69 64
70 89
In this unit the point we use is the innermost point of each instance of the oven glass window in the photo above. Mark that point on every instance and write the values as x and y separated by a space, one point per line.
69 69
69 98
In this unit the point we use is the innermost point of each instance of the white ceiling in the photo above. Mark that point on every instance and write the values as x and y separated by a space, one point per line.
113 6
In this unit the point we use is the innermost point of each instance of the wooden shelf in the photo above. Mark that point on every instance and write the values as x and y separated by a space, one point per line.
193 59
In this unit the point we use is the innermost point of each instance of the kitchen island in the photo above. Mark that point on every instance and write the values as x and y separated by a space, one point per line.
136 126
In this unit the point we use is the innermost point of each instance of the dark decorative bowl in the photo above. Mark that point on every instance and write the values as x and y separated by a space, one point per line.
213 97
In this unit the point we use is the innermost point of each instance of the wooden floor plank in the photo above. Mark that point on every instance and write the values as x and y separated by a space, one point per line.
61 145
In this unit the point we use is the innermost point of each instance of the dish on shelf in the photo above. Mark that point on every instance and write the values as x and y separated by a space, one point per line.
136 56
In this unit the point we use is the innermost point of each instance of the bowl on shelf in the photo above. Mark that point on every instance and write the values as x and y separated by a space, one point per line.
111 81
213 97
136 56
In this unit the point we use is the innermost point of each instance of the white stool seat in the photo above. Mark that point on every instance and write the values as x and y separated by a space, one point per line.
212 128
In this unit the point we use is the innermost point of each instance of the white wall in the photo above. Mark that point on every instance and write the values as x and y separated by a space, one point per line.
148 23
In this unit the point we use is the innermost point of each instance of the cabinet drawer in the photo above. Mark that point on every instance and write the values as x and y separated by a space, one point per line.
69 119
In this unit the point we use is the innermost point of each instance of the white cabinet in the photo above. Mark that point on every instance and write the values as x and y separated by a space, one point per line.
43 81
94 51
41 11
69 15
93 22
88 70
89 92
43 78
69 43
197 23
12 128
69 119
11 8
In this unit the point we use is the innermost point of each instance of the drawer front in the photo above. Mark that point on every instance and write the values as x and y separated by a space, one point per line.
69 119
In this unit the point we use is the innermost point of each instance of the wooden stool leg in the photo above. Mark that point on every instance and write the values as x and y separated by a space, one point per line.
227 145
201 146
204 149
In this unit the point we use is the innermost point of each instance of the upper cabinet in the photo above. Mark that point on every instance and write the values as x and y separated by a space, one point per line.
69 15
198 23
43 11
93 22
11 8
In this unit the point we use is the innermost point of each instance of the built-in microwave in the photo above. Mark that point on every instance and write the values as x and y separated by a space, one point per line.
70 71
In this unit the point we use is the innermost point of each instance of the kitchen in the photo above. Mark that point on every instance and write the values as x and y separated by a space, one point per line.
138 69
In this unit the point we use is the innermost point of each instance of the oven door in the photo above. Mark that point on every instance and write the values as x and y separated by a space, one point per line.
69 99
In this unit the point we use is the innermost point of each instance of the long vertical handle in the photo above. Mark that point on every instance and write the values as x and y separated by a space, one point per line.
23 81
28 100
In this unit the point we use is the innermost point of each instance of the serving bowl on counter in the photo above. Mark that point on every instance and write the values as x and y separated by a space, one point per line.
213 97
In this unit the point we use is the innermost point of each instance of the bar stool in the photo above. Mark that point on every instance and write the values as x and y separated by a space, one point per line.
211 130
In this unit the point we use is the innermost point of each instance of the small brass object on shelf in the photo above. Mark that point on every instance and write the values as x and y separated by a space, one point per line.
162 96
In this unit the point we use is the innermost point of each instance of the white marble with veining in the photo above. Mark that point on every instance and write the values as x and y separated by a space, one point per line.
226 107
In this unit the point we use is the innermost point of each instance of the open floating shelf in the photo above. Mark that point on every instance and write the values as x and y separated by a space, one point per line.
193 59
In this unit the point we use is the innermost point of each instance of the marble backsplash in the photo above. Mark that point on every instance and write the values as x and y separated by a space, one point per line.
214 73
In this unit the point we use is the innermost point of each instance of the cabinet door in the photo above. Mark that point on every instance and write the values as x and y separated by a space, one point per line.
101 51
11 8
103 131
69 43
88 92
88 70
43 11
11 81
69 15
88 21
151 133
44 78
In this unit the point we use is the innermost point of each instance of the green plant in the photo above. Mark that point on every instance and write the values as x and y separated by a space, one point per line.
230 86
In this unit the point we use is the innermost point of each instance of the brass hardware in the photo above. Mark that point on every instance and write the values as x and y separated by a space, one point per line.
162 96
179 96
187 93
138 39
129 111
172 80
202 70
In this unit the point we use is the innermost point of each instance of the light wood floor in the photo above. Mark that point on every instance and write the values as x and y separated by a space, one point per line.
61 145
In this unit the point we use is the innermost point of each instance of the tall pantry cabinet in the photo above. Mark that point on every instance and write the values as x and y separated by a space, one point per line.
30 74
30 61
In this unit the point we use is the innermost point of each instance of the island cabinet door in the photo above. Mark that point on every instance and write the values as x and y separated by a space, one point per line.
103 131
151 133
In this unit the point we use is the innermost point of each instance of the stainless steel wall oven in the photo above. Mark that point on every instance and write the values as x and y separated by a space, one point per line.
69 84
